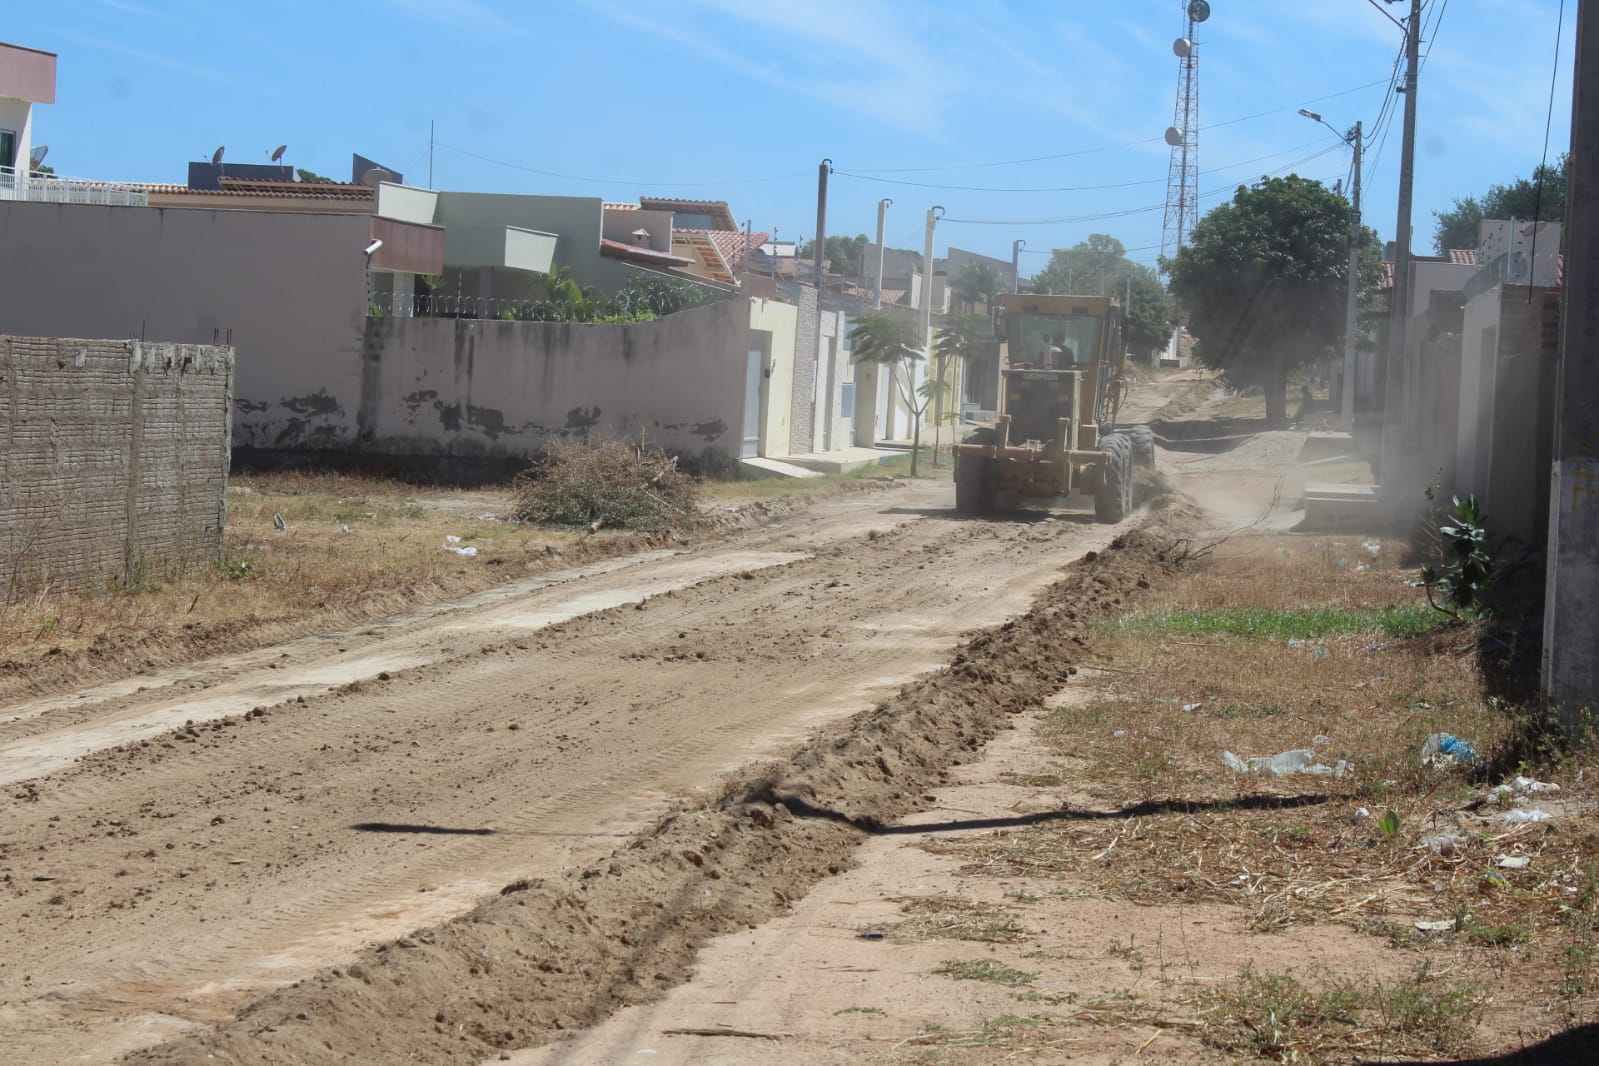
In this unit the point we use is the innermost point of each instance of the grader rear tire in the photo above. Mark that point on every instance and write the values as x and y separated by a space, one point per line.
1113 499
974 484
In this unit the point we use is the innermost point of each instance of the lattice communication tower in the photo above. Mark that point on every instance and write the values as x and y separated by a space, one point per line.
1182 176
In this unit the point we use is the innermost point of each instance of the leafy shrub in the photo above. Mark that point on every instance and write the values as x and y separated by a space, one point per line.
606 482
1460 583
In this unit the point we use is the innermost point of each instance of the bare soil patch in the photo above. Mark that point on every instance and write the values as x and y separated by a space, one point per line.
306 553
560 952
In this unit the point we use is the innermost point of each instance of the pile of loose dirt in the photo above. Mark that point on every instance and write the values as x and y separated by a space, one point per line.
553 954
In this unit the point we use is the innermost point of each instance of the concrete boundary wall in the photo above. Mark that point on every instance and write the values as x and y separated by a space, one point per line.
441 393
113 461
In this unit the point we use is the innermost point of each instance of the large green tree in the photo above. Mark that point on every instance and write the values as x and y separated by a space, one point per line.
1263 281
1086 269
1100 264
1520 199
843 254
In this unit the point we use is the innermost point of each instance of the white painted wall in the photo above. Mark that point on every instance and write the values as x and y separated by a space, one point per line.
780 320
17 116
406 203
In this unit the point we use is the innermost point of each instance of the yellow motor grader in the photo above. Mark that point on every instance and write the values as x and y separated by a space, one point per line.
1056 431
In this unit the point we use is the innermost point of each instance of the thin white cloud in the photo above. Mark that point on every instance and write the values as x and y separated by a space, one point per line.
890 88
172 63
135 9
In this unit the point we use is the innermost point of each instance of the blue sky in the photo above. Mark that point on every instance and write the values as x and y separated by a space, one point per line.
740 99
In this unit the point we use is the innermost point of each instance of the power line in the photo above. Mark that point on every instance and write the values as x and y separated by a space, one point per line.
1065 188
1126 211
616 181
1549 118
1108 147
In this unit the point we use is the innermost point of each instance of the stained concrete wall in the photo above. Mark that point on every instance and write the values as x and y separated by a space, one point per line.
1506 429
113 460
289 288
475 389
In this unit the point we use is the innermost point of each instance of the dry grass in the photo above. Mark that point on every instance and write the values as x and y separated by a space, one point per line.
1150 815
955 918
351 549
606 482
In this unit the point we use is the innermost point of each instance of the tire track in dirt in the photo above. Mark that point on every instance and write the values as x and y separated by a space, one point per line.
607 727
559 952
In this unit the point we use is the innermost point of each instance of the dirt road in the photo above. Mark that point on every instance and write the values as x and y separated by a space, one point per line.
173 845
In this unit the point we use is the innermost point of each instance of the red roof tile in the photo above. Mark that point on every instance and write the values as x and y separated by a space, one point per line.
730 243
717 209
280 190
1463 256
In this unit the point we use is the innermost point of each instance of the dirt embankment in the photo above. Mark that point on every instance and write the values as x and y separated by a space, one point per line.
553 954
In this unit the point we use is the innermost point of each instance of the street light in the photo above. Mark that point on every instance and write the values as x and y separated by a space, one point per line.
1354 140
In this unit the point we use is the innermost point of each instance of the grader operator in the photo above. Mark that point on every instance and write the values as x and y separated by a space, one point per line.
1061 389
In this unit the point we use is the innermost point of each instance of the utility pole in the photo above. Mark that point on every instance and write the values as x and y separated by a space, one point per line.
430 153
882 217
1015 264
822 171
1350 309
927 322
1393 444
744 266
1571 607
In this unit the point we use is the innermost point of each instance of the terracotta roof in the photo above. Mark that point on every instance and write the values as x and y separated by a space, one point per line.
704 253
1463 256
280 190
619 207
894 296
618 250
729 243
717 209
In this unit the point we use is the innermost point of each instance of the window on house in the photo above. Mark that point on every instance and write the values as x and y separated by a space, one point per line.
846 401
8 148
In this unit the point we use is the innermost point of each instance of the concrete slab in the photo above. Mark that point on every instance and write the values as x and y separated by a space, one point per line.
1326 445
756 467
1340 507
843 460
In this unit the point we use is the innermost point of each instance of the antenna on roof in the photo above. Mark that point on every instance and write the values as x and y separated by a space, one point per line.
277 153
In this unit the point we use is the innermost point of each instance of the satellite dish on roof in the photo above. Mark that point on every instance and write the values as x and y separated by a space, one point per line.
375 177
216 156
1182 48
36 156
277 153
1174 136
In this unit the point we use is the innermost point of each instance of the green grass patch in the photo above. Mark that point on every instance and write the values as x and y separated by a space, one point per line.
1307 623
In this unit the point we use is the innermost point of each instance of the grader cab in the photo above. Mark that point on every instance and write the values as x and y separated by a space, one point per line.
1056 432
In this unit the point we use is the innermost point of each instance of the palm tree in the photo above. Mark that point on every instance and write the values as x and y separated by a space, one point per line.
977 283
891 339
954 342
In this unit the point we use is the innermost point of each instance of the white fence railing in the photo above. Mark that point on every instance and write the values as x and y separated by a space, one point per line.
20 185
